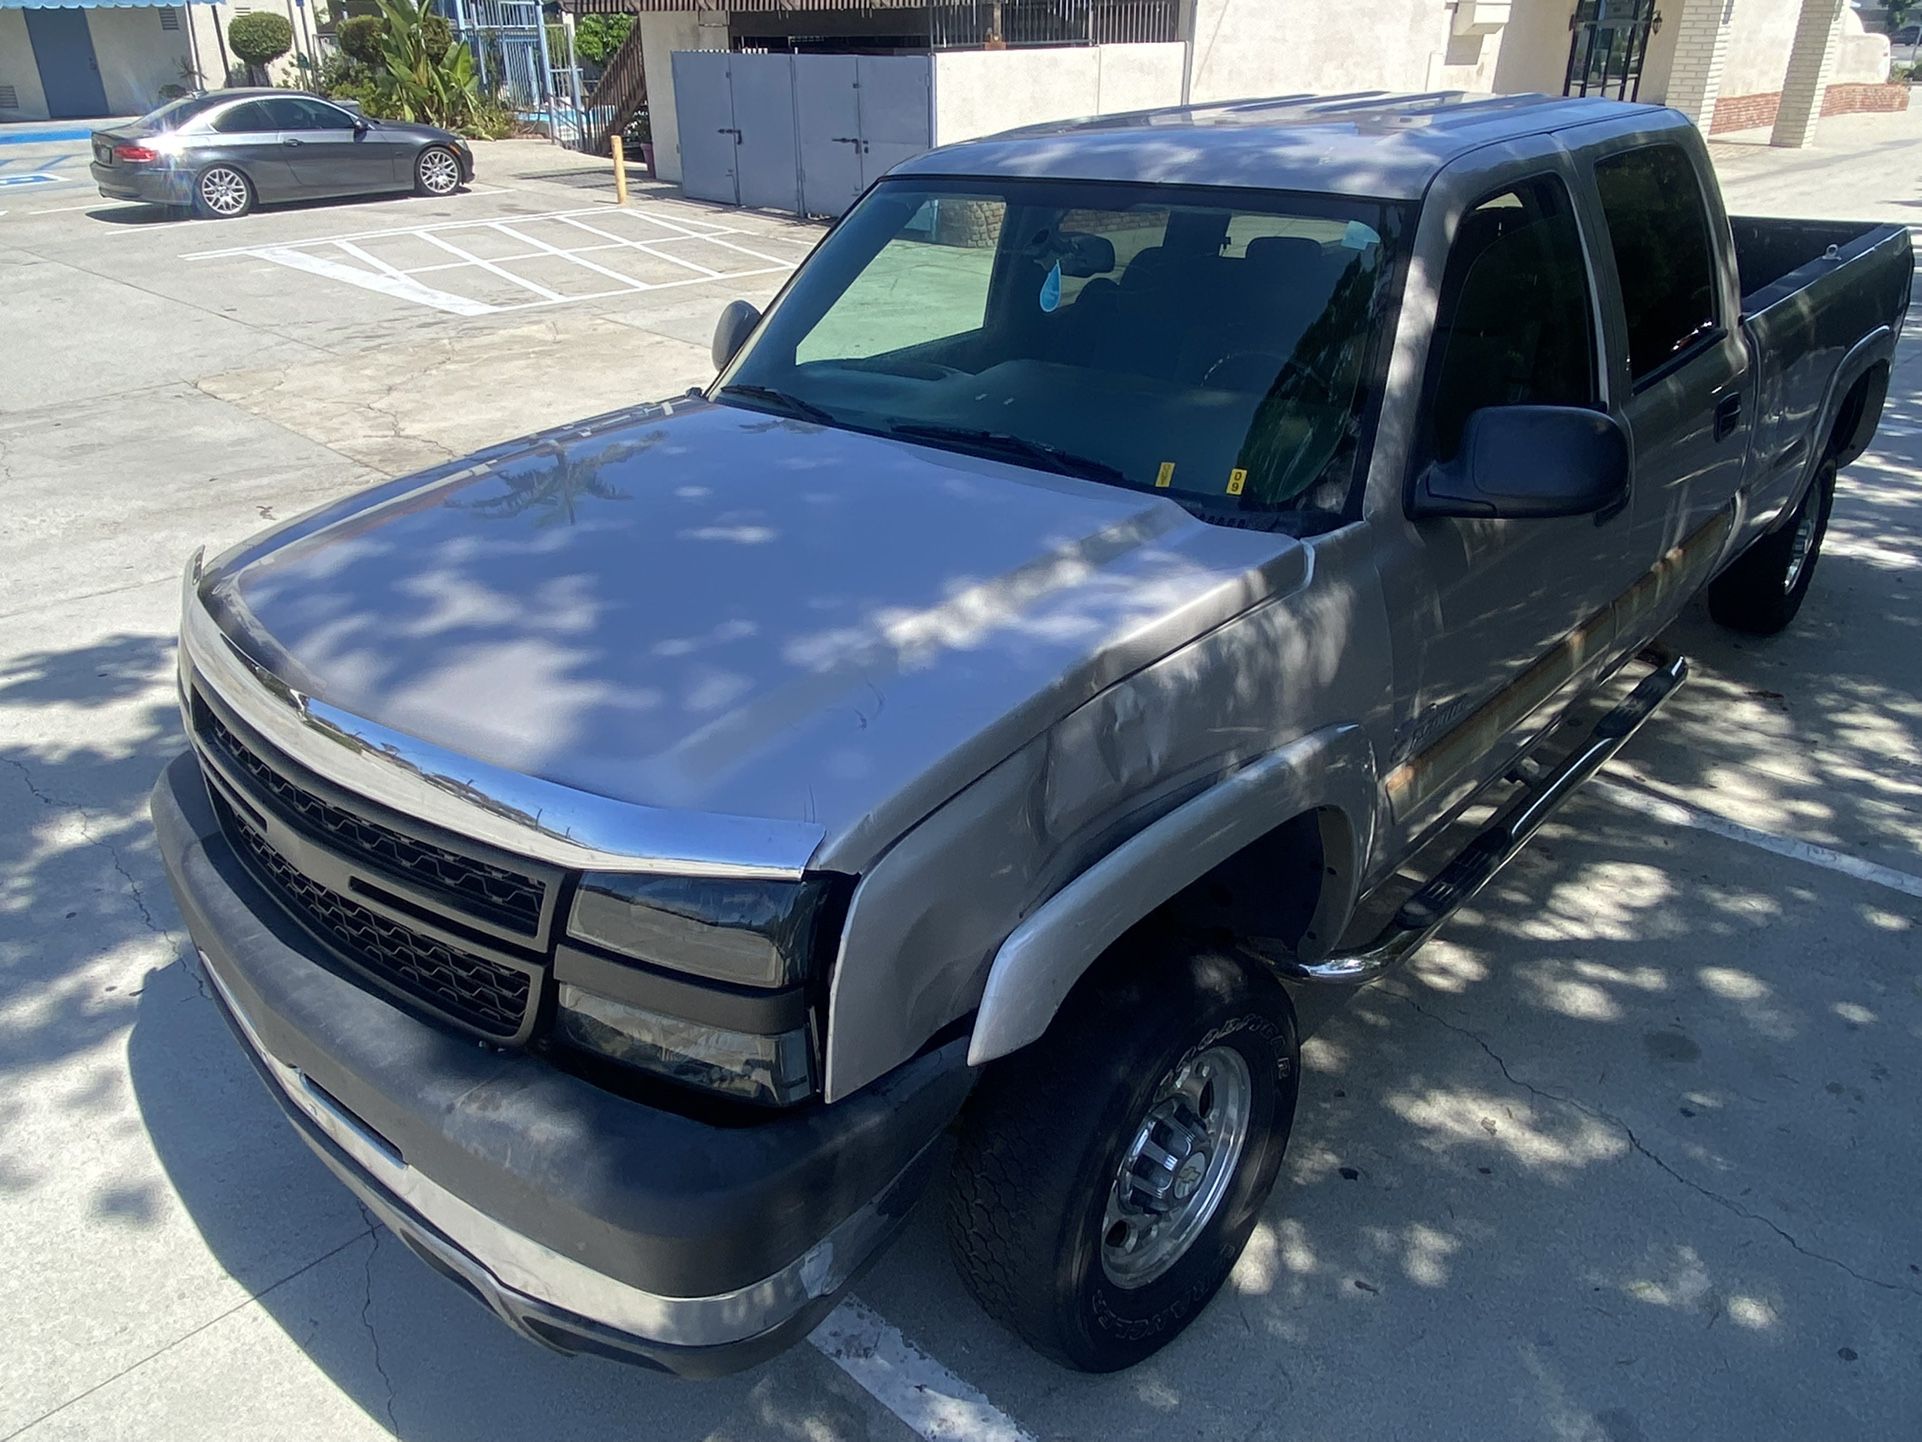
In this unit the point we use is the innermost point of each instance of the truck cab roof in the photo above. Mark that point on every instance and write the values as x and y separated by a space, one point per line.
1370 143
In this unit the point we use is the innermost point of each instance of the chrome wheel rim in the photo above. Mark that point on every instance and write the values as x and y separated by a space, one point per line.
223 191
1803 543
1177 1168
439 172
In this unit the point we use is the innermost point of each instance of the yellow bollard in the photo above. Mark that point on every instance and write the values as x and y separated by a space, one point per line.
620 172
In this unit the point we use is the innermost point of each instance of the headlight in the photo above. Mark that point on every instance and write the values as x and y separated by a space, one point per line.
751 933
777 1069
706 982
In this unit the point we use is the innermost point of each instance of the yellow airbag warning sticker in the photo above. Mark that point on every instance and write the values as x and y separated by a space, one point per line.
1165 477
1237 480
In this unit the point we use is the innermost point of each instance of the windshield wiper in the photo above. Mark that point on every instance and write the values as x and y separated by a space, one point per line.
793 405
1009 446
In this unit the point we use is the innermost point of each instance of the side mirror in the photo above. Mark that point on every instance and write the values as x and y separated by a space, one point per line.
732 329
360 125
1521 462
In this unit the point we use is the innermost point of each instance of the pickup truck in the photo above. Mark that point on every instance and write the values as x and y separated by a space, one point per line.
1122 554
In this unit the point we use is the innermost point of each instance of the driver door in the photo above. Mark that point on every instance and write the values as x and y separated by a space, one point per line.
328 151
1496 612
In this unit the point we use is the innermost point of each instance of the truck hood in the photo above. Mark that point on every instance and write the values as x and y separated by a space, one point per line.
704 609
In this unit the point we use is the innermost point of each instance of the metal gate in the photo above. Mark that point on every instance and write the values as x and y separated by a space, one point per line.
805 133
1607 42
525 61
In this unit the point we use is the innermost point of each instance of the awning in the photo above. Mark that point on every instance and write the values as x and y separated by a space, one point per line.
752 7
100 4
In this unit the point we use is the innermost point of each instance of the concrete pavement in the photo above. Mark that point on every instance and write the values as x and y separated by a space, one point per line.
1629 1152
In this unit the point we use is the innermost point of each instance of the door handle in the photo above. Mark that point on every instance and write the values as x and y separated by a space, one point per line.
1728 415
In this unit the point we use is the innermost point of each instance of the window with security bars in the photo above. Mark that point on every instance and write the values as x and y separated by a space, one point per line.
9 98
169 18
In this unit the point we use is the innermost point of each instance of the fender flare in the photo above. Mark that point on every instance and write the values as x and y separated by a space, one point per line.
1044 957
1877 346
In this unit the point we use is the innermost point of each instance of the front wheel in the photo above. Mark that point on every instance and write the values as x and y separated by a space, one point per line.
1766 586
1108 1176
437 171
223 193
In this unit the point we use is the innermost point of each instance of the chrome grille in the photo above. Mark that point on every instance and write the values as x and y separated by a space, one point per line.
504 897
463 935
479 993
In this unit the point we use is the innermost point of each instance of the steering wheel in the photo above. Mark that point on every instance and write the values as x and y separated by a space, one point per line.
1252 370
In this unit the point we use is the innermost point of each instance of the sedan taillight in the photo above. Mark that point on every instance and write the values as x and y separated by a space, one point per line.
135 154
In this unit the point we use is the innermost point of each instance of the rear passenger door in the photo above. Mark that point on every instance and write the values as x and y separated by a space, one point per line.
1682 365
328 151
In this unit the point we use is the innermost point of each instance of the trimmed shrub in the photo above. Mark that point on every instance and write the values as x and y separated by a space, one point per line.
359 38
260 38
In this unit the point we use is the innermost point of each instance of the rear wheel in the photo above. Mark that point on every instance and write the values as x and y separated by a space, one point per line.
1108 1176
1766 586
223 193
437 171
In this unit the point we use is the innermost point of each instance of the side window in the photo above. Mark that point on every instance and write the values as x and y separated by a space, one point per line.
929 283
243 118
296 113
1515 323
1658 230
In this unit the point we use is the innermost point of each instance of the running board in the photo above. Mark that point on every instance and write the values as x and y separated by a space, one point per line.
1423 914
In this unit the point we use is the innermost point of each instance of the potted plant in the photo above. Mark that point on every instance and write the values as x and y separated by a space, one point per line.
639 136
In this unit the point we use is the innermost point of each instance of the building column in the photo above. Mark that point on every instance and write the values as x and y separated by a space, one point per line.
1701 50
1810 57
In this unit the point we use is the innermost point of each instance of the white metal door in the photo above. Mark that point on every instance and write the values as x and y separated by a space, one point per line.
704 107
827 114
897 110
767 159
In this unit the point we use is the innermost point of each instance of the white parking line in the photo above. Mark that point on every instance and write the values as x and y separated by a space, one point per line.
569 256
1675 813
400 286
648 233
938 1405
488 265
668 256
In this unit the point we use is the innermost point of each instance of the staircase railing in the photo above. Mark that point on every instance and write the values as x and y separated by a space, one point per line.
621 90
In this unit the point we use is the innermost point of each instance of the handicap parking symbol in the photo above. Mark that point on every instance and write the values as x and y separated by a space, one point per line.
33 177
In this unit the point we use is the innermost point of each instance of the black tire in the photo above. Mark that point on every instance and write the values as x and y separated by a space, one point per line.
222 192
437 172
1048 1129
1766 586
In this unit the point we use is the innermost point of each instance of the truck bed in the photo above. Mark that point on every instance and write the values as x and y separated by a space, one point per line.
1812 290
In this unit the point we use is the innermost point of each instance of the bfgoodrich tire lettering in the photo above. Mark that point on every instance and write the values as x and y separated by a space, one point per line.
1042 1160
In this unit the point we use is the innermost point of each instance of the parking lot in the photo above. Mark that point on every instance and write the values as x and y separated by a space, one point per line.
1629 1152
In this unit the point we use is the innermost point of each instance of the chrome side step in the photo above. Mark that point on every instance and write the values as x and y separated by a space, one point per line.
1475 865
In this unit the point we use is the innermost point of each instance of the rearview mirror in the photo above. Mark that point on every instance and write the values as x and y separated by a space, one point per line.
1522 462
732 330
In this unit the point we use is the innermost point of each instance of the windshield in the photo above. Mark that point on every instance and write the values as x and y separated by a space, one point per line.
176 113
1214 346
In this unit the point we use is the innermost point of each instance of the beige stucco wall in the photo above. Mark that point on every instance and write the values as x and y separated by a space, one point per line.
18 70
978 92
1758 46
1276 47
661 36
136 57
1861 59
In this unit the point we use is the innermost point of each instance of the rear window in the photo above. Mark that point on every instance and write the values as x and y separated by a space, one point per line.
176 113
1658 231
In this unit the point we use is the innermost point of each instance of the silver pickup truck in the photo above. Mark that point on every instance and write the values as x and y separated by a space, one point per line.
1022 679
